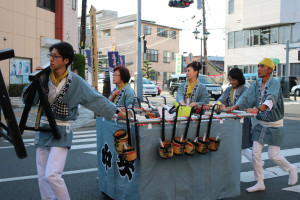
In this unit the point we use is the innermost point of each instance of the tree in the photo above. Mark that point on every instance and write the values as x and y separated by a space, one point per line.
147 70
79 64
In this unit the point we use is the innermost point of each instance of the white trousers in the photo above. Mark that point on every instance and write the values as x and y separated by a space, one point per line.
273 153
50 163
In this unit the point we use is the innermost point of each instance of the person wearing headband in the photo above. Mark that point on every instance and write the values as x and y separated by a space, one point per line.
264 98
192 92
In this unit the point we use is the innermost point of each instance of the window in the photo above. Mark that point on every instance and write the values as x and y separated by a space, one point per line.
274 35
284 34
238 39
296 32
166 56
173 56
172 34
246 38
162 32
46 4
106 33
230 40
74 4
265 36
151 55
231 6
147 30
254 37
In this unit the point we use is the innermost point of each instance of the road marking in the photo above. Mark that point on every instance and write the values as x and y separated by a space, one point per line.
284 153
9 147
75 136
295 188
91 152
83 146
80 132
271 172
35 176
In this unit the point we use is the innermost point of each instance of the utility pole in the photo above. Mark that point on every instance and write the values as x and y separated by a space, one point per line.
204 37
139 78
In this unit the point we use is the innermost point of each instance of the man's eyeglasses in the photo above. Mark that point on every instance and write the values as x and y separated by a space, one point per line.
53 56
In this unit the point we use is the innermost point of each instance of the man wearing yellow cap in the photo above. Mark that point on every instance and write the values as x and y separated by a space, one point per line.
264 98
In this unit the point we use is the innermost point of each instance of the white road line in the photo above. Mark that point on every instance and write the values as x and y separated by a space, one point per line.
80 132
83 146
35 176
271 172
285 153
9 147
75 136
85 140
295 188
91 152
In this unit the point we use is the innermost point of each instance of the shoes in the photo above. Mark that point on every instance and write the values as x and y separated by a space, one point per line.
257 187
293 178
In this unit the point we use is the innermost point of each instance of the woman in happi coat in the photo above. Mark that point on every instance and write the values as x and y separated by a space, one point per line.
123 94
265 99
192 92
229 99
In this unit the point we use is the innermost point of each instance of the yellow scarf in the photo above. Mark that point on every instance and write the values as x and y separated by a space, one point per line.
231 95
190 88
57 81
119 89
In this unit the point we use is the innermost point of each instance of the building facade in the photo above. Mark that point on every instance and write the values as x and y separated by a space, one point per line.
30 27
256 29
119 34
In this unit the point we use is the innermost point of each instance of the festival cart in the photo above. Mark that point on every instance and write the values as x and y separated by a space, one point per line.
214 175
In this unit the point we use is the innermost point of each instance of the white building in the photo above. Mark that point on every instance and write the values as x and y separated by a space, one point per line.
260 28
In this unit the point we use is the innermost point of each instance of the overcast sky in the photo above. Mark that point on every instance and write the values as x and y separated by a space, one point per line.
161 13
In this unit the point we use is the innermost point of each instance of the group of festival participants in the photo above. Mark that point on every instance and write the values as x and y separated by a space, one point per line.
66 90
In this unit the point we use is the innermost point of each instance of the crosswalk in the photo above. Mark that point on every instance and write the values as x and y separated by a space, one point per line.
87 141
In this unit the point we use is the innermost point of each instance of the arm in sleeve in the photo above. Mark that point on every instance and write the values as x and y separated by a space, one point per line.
25 93
224 97
96 102
273 94
203 95
129 97
180 92
248 98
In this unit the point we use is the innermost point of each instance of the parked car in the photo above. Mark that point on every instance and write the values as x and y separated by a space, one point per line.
296 90
226 85
214 89
149 88
251 77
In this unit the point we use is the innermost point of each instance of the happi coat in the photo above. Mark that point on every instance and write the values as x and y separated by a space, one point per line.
126 96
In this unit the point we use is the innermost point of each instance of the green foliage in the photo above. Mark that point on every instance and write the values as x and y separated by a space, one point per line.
79 64
147 70
15 90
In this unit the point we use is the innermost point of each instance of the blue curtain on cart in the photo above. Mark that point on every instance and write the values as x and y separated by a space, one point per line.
214 175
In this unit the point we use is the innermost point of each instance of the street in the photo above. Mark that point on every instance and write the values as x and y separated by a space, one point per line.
18 178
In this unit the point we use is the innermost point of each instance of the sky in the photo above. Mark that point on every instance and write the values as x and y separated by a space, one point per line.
183 18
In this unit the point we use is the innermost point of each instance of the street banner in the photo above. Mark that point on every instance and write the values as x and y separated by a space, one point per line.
89 75
113 61
94 47
178 64
122 60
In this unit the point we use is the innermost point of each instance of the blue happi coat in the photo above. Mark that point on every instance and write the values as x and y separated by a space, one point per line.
254 97
199 93
225 99
65 109
126 96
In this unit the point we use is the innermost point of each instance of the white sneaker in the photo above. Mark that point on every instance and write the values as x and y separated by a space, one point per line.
257 187
293 178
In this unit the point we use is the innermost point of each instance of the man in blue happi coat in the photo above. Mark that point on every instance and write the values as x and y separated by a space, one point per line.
265 99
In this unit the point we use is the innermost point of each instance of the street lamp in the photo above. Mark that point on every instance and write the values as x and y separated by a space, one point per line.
196 34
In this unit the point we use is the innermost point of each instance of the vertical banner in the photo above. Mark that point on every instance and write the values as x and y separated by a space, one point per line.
94 49
178 64
89 75
112 62
122 60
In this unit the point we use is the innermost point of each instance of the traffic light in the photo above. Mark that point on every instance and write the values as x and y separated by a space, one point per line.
180 3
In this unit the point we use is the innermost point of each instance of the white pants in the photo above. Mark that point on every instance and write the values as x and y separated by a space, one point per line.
50 163
273 153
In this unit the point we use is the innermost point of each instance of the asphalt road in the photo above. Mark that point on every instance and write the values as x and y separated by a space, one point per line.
18 177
